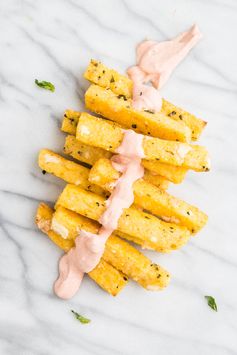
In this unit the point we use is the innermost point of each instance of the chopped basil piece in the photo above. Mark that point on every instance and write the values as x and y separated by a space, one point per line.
81 319
172 113
122 97
149 111
45 85
211 302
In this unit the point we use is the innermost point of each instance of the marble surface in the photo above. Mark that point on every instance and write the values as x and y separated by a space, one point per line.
54 40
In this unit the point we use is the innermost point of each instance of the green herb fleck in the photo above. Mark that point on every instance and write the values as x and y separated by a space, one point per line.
211 302
122 97
172 113
112 79
134 125
45 85
149 111
79 317
43 172
94 63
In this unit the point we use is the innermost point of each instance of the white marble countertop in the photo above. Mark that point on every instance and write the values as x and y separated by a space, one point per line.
54 40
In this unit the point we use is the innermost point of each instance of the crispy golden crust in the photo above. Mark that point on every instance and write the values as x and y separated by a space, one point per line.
98 176
104 134
151 198
105 275
90 155
117 252
195 124
114 107
70 120
156 180
84 152
150 231
99 74
175 174
65 169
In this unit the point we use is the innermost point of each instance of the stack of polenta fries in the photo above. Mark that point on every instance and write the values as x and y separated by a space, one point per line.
156 220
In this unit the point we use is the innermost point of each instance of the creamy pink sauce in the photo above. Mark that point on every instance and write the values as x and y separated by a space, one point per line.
89 247
155 63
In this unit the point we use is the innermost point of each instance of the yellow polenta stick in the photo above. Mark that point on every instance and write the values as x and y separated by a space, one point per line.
175 174
90 155
65 169
84 152
104 134
151 231
99 74
156 180
119 109
118 253
150 198
70 120
104 274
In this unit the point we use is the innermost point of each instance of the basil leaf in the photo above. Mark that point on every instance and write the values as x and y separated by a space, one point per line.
211 302
81 319
45 85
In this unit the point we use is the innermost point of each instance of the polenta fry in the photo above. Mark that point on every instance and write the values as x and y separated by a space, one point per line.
88 154
77 174
175 174
150 198
104 274
151 231
70 121
84 152
119 109
104 134
118 253
98 73
67 170
156 180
